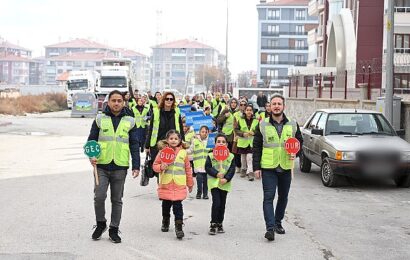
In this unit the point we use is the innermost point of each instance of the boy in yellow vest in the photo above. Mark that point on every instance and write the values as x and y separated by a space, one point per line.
219 183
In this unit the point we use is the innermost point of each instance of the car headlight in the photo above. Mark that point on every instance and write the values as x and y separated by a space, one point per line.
345 156
405 156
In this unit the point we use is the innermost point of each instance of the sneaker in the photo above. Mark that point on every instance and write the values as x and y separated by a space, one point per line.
243 173
279 229
205 197
113 233
220 228
165 224
178 229
100 228
270 235
251 176
198 196
212 229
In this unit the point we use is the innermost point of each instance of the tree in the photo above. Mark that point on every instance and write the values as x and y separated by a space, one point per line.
211 74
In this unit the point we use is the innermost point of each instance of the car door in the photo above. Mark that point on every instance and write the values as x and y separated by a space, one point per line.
307 135
316 141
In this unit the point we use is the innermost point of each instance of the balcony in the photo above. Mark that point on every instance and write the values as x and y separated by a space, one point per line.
319 33
402 9
264 33
402 18
402 50
284 63
283 48
274 78
315 7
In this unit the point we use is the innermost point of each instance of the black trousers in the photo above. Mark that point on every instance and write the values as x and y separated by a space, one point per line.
176 208
218 205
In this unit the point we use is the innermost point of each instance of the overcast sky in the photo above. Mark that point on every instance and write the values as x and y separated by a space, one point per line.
133 24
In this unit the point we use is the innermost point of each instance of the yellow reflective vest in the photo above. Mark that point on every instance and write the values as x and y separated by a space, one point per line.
139 117
214 182
176 171
244 142
273 152
200 152
114 144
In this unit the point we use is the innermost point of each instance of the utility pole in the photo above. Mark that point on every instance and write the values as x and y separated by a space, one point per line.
226 48
388 99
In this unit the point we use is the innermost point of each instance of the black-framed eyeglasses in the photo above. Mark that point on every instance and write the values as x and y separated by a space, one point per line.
169 99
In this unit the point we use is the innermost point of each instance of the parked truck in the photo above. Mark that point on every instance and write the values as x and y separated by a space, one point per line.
116 74
81 82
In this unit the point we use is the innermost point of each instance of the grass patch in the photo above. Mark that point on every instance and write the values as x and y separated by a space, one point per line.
33 104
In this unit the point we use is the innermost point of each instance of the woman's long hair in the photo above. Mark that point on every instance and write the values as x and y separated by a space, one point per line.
161 105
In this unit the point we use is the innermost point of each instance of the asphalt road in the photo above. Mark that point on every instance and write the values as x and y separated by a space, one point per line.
46 209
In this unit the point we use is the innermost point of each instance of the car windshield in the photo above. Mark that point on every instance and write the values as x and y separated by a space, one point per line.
77 84
110 82
358 124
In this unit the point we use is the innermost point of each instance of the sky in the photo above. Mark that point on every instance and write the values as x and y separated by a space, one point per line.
133 24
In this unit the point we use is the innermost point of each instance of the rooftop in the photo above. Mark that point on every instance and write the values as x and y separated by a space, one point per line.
80 43
6 44
129 53
11 57
185 43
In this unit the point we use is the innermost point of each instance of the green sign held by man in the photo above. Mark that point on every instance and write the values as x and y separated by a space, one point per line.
93 150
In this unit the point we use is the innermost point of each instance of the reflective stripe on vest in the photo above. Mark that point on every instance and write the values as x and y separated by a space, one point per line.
214 182
244 142
139 117
273 152
114 145
199 154
155 126
176 171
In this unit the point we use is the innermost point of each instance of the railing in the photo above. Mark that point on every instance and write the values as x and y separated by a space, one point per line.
403 9
274 78
402 50
283 48
284 63
265 33
273 18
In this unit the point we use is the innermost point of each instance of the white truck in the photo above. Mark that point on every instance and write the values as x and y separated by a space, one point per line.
115 75
81 82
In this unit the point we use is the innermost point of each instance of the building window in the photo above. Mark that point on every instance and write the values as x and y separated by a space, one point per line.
273 29
272 74
60 63
273 59
300 14
98 63
272 43
157 67
273 14
300 29
60 71
402 43
69 63
300 44
299 60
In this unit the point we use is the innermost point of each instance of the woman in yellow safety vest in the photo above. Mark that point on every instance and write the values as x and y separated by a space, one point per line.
140 114
174 180
245 132
219 183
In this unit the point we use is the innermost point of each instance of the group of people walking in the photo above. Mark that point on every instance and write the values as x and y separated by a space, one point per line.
148 123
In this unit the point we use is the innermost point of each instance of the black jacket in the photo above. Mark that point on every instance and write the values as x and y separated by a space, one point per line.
166 123
213 172
261 101
258 143
133 140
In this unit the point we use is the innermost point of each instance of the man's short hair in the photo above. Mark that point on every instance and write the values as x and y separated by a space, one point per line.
277 95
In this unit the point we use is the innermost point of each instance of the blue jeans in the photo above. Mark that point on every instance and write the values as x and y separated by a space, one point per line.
270 180
202 182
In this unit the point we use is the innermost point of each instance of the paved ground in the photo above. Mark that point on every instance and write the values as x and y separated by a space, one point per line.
47 209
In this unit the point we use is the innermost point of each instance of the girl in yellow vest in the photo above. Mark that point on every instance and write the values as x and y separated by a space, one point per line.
174 179
200 153
219 183
244 129
189 135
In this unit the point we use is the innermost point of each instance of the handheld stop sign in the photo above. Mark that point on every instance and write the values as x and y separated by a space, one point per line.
221 153
93 150
292 147
167 155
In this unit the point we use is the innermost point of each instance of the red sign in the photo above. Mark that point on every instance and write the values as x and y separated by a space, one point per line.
221 153
167 155
292 145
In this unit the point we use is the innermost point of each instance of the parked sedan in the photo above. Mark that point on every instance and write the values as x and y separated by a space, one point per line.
354 143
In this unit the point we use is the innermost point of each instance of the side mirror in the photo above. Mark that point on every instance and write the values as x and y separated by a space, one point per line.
317 131
401 132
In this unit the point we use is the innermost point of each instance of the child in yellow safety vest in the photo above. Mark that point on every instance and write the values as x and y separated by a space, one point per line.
174 179
200 153
220 175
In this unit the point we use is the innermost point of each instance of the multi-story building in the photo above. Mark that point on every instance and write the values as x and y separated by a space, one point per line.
141 68
282 39
175 64
14 63
402 46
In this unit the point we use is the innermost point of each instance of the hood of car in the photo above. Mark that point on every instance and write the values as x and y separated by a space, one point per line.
367 142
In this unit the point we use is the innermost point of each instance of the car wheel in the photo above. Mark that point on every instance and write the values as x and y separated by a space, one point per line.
304 163
329 179
403 181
